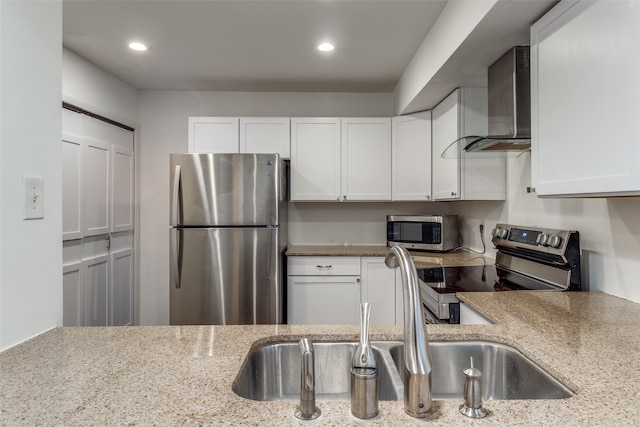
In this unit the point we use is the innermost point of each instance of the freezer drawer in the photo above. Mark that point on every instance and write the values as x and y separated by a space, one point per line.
225 276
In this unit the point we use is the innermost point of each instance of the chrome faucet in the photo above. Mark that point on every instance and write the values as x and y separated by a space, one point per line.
417 359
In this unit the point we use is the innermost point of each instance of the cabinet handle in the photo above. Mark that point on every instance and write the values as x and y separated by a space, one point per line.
344 197
428 197
453 194
327 266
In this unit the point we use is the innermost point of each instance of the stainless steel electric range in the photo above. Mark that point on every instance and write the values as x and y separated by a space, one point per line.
528 258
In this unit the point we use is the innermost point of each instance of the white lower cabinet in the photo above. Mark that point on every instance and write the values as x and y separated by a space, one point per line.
379 288
329 290
323 290
323 300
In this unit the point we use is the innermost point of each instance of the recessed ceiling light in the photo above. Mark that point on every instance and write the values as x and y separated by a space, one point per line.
325 47
138 46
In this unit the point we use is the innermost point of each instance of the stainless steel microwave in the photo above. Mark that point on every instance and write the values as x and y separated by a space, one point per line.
424 233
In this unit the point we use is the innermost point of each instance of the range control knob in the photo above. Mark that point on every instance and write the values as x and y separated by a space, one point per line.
500 233
542 239
554 241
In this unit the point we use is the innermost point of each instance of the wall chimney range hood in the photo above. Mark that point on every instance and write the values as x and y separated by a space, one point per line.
509 98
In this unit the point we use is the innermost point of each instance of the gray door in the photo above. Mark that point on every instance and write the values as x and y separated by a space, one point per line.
225 276
225 189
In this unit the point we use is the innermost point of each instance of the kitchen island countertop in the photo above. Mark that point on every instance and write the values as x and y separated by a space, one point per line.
182 375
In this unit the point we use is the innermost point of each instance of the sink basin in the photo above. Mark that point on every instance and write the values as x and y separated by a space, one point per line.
506 373
272 371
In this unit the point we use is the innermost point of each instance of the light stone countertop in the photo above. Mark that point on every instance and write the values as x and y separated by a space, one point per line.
182 375
420 258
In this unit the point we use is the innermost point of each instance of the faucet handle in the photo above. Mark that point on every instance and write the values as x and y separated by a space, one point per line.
472 406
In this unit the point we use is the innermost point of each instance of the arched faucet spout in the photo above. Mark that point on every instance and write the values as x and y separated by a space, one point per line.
417 359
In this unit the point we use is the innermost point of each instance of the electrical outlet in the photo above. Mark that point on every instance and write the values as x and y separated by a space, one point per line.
33 196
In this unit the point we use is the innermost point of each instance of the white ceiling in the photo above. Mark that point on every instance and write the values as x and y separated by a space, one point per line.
270 45
251 45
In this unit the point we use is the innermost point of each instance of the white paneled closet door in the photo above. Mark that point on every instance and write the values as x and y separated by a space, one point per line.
98 221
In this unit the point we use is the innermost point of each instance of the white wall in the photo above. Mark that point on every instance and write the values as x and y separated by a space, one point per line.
30 127
91 88
350 223
163 122
455 23
609 228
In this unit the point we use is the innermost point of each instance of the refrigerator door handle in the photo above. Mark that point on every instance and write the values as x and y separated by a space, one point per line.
175 258
176 195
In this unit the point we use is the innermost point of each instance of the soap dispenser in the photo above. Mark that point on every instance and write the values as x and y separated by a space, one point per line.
364 372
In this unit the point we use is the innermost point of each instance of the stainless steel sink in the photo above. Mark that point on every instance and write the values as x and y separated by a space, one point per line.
272 371
506 373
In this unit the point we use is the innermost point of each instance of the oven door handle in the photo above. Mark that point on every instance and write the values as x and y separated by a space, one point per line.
429 317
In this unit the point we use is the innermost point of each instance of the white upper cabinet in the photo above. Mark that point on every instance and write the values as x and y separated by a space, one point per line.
213 134
240 135
340 159
411 157
467 176
366 159
584 91
315 159
265 135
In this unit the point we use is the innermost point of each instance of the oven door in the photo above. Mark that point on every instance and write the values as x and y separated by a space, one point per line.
429 317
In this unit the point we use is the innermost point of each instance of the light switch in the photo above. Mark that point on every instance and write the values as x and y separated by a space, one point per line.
33 197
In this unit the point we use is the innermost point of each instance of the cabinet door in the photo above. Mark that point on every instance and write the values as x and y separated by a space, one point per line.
96 282
325 300
123 193
366 159
315 159
72 188
265 135
411 158
379 289
72 295
445 130
213 135
121 301
584 93
97 160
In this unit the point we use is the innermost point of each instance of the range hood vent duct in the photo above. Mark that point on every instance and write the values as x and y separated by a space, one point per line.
509 126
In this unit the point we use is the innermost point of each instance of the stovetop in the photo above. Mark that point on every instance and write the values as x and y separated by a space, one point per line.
528 258
477 278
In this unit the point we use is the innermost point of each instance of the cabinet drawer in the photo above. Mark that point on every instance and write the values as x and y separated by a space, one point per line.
323 266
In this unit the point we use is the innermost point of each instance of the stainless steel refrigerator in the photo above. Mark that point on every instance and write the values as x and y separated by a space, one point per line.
227 238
